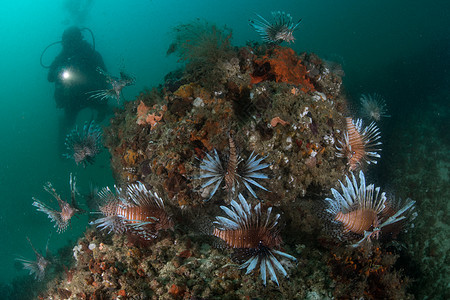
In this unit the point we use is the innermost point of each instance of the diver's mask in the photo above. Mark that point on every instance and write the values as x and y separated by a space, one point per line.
61 42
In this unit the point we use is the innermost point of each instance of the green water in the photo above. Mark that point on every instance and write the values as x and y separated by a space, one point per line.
400 49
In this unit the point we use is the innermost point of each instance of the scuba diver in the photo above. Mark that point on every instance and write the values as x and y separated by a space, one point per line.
74 72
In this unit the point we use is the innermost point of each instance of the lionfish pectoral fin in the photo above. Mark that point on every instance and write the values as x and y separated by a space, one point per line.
250 264
53 215
262 270
249 188
278 265
140 224
273 275
296 25
249 180
284 255
367 235
216 187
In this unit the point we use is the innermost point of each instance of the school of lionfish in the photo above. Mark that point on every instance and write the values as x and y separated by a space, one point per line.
358 212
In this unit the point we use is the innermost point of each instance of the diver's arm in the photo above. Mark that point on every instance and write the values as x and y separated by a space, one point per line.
53 71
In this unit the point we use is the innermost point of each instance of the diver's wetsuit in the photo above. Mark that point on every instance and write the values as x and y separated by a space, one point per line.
72 93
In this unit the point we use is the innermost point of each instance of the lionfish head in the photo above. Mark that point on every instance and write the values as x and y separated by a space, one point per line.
67 212
81 153
84 145
375 114
42 264
165 222
286 35
373 106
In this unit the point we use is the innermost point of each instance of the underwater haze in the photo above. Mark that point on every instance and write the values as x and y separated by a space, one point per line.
399 49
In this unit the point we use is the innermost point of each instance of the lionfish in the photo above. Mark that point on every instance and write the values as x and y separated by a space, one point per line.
281 30
61 218
38 266
117 84
137 211
253 235
216 171
360 145
362 210
84 145
373 107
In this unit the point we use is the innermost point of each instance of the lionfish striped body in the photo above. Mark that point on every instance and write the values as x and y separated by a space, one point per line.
357 221
253 236
248 238
84 145
136 211
61 218
234 174
233 160
360 145
281 30
361 210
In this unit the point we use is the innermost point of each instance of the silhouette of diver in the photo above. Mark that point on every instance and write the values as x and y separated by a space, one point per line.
74 72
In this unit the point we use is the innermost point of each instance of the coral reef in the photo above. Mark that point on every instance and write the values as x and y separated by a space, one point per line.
205 47
146 116
293 120
281 65
284 107
183 266
175 266
367 272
